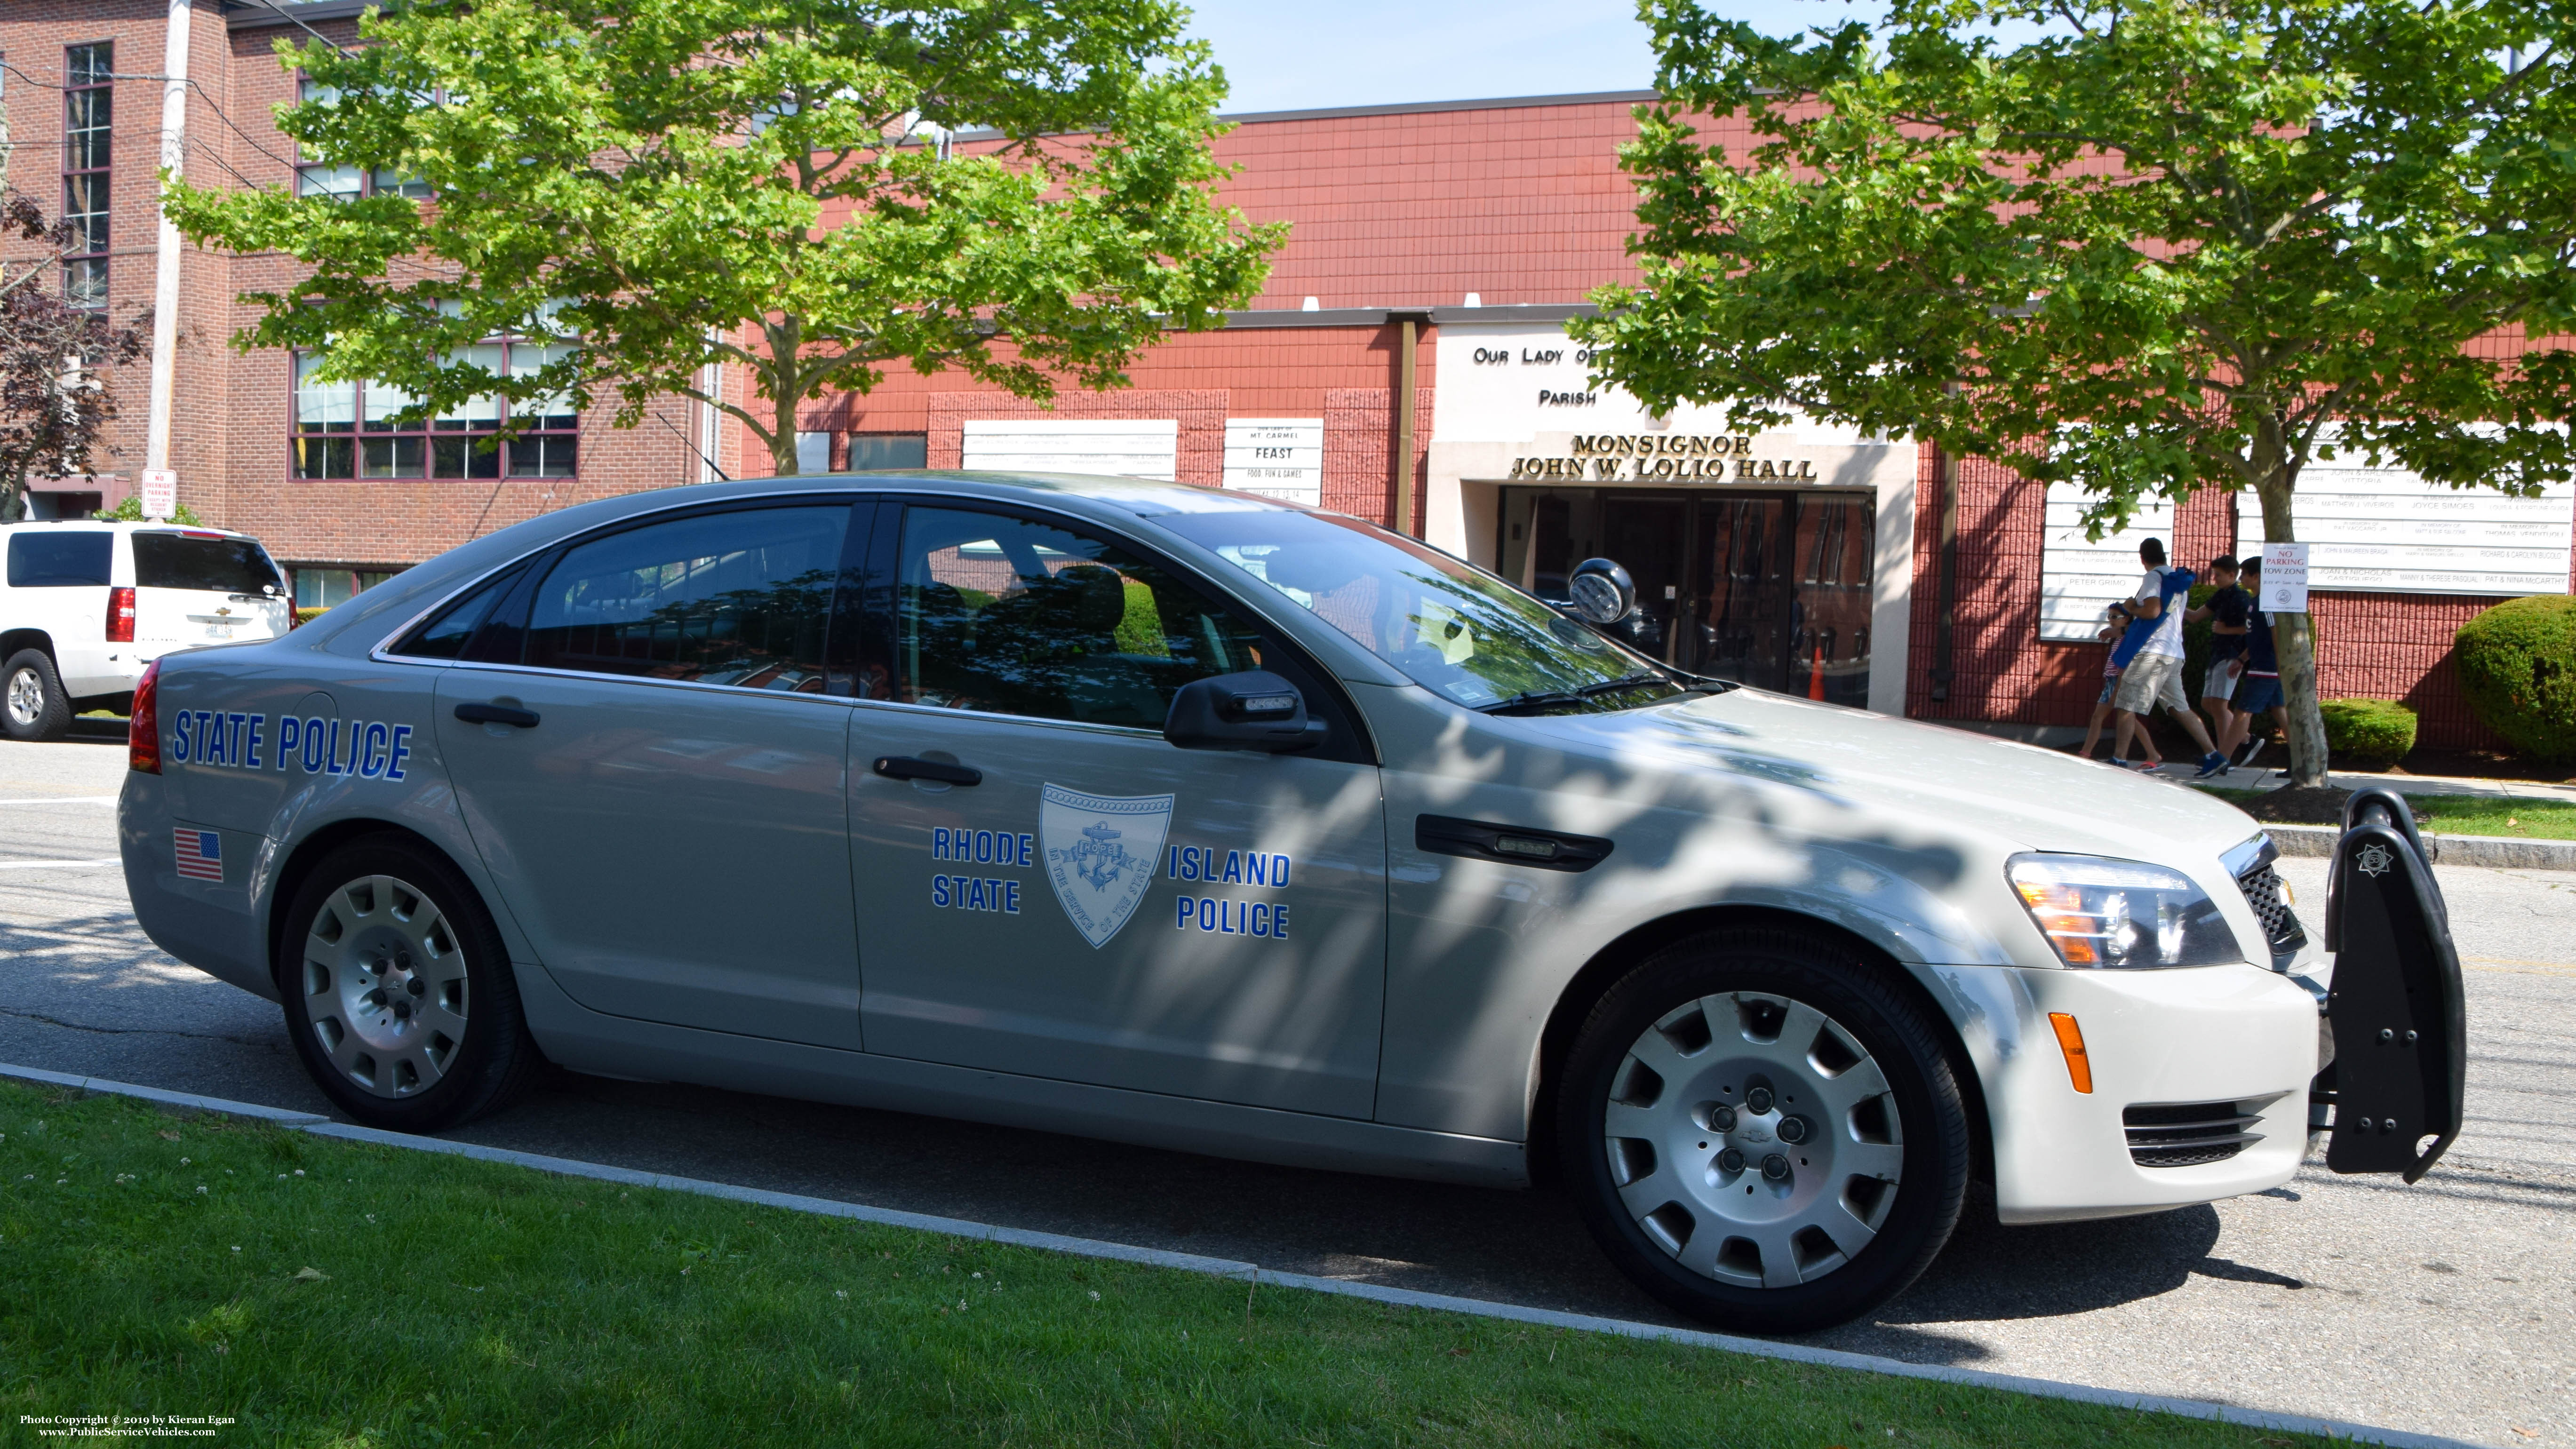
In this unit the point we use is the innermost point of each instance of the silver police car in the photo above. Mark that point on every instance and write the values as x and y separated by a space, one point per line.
1189 818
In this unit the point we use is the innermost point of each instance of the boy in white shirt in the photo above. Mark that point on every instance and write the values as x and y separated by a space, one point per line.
2153 674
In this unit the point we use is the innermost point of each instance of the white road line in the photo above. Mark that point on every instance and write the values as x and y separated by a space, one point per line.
54 864
65 800
1251 1273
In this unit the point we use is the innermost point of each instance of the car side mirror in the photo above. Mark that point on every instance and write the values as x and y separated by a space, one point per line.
1254 710
1602 591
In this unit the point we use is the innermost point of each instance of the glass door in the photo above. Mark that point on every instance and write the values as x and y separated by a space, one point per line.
1646 535
1830 604
1738 628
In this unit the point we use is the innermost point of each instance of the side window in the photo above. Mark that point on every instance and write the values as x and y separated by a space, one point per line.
724 598
1012 616
49 560
445 634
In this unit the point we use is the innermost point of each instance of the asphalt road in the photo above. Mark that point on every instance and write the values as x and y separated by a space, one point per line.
2448 1307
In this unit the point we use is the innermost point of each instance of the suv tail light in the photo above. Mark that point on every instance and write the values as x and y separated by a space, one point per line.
143 723
120 616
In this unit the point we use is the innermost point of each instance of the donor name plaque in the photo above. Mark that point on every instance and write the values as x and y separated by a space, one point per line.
1601 457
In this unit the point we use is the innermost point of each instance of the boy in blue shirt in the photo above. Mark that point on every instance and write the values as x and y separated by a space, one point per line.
2259 691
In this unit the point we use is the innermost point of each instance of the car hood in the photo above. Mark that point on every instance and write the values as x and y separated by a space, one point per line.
1928 777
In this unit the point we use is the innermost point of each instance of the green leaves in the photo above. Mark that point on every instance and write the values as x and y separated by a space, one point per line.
749 182
2148 247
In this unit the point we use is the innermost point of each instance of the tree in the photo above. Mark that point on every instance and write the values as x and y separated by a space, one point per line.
52 405
767 183
2148 246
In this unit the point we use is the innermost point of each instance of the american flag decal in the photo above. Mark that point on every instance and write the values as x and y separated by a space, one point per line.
201 855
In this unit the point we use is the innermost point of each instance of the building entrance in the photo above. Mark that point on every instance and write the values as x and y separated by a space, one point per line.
1769 589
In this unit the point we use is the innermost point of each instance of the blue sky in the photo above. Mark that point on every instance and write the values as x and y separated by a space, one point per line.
1293 54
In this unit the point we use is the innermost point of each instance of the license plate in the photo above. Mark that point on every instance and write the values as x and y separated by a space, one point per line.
219 631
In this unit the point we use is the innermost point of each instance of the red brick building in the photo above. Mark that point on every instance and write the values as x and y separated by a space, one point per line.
1439 246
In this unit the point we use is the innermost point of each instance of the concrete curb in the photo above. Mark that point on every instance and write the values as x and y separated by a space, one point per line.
1254 1274
2488 851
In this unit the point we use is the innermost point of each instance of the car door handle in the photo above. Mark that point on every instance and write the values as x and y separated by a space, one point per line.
500 714
905 767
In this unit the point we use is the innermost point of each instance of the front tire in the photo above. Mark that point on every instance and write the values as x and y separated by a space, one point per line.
398 991
1762 1130
32 703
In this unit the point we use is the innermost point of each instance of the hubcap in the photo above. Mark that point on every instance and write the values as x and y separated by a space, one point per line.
26 697
384 986
1754 1139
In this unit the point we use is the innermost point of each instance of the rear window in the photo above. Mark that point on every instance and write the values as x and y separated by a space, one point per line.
58 560
221 565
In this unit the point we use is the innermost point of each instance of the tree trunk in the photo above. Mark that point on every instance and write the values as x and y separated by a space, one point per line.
2294 638
786 339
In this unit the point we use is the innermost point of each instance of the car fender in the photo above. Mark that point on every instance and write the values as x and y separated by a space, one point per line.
280 761
1482 953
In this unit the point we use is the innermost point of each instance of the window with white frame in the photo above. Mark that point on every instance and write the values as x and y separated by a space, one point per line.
321 586
89 99
349 429
343 182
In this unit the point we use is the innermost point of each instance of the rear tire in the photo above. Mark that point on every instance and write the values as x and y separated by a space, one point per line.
1762 1130
398 991
32 703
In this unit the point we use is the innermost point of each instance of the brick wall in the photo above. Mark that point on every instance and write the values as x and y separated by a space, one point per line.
1359 439
2374 646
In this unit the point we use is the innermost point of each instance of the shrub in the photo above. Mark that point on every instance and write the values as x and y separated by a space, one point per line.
2368 731
2518 667
131 511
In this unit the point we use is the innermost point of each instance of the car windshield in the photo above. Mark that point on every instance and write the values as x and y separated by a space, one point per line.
1453 628
206 561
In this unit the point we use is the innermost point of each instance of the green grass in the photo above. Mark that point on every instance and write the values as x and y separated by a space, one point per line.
2475 815
158 1264
2530 819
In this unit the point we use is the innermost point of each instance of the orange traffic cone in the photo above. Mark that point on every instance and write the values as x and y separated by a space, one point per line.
1816 675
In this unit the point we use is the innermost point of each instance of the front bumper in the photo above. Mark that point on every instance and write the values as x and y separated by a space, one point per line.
2237 1041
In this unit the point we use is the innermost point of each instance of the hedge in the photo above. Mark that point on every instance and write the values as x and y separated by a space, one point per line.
2517 665
2368 731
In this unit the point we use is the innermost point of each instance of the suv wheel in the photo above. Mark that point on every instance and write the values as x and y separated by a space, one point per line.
1763 1131
32 703
398 991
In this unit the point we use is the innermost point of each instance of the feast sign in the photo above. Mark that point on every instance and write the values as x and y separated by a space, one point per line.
1633 457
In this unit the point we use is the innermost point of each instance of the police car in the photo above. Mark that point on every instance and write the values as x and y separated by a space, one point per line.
1194 819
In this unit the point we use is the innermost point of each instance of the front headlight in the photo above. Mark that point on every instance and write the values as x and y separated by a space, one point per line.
2096 911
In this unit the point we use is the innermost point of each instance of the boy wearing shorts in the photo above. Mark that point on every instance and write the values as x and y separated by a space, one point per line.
2226 612
2153 675
2259 691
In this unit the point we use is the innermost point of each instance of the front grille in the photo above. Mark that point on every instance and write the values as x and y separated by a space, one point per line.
2271 903
2190 1134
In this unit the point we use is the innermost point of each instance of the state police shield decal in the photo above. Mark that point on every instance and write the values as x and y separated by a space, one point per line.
1100 854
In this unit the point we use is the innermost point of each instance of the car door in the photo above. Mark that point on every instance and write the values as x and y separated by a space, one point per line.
648 745
1049 887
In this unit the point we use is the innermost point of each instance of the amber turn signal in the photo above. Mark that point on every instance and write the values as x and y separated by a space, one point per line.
2070 1040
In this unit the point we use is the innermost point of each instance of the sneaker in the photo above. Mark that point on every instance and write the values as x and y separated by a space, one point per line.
2212 763
2252 748
2116 763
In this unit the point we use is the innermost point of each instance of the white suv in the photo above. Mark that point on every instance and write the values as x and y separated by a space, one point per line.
85 605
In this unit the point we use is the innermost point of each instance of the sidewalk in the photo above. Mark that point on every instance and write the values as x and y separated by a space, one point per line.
2273 779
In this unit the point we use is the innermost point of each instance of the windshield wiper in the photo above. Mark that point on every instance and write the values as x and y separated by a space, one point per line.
1532 699
1581 694
1625 681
